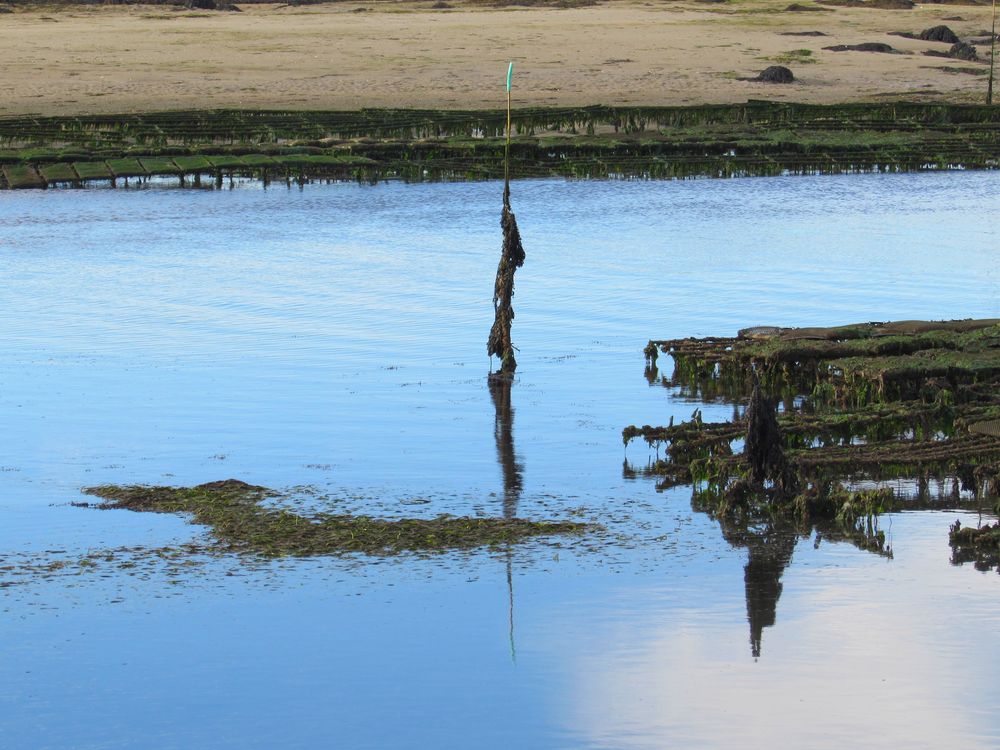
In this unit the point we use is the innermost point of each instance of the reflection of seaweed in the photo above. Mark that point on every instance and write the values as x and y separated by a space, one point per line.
770 540
770 548
504 434
980 546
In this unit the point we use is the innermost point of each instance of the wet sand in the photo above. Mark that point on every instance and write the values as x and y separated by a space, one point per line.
108 59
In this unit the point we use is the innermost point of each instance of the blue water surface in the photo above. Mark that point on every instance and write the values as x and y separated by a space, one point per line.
334 337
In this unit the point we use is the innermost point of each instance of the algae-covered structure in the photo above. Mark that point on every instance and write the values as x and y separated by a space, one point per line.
208 148
831 427
834 424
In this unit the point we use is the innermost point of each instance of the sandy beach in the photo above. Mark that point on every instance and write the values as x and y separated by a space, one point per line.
109 59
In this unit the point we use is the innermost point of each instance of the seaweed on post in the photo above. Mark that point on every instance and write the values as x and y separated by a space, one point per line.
763 444
511 258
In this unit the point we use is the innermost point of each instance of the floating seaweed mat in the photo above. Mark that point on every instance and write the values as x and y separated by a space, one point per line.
192 163
158 165
22 176
92 170
61 172
989 427
126 168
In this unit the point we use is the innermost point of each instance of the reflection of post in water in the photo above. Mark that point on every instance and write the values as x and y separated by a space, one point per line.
503 428
770 548
503 432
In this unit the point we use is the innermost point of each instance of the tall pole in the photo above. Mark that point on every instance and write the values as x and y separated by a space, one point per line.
511 258
506 148
993 46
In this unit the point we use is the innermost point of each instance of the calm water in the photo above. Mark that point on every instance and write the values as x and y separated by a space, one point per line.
335 338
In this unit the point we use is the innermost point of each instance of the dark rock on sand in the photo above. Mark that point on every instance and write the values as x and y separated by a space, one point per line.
963 51
939 34
863 47
776 74
933 34
802 33
877 4
212 5
960 51
773 74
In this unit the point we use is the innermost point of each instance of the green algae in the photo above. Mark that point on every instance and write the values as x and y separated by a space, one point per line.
240 522
861 405
855 364
19 176
92 170
126 168
59 172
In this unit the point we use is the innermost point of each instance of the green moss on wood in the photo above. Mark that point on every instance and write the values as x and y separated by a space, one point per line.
92 170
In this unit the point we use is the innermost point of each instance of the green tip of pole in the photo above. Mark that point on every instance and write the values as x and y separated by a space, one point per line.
510 74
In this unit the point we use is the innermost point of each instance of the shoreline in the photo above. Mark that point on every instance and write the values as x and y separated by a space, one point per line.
758 138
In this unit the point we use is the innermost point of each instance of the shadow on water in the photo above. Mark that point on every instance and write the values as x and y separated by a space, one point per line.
512 471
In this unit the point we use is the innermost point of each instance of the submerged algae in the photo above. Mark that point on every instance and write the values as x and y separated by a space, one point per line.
240 523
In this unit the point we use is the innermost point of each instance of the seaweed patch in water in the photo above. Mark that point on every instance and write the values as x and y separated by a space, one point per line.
240 523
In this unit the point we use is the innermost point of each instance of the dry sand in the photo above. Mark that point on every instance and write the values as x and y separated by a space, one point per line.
106 59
